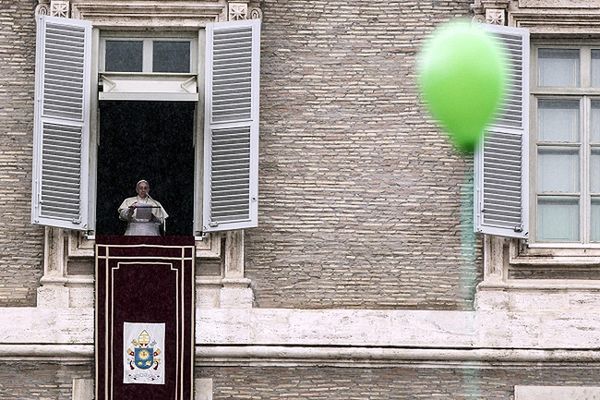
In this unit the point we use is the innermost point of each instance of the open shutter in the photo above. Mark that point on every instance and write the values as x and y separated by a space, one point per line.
61 123
501 163
230 198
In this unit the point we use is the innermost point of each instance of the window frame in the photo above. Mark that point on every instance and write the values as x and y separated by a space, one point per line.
230 160
170 86
147 49
197 42
585 93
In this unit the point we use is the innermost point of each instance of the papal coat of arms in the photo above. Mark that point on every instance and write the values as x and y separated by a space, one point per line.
143 358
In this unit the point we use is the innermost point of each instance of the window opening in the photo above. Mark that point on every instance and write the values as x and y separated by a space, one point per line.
149 140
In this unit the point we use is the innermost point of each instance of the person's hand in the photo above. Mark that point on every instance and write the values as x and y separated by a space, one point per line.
131 209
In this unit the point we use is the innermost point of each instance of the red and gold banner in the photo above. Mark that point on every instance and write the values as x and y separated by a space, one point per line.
144 317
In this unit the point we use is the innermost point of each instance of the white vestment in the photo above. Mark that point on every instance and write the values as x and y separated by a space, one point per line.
142 226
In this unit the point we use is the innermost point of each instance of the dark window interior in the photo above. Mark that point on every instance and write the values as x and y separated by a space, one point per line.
151 141
170 56
124 55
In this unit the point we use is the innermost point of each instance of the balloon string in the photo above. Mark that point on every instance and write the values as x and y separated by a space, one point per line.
468 271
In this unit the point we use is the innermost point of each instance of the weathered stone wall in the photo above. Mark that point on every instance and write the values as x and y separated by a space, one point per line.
360 193
21 244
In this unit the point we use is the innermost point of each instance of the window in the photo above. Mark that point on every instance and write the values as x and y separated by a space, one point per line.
541 156
122 53
566 138
157 69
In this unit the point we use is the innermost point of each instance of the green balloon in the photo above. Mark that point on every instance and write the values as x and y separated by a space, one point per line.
462 76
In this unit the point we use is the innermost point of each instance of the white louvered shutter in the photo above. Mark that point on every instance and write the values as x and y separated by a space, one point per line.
230 198
61 127
501 164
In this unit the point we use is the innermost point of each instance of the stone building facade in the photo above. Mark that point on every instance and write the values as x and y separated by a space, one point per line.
363 279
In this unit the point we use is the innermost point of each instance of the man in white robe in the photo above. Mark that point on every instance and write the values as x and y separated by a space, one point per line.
143 214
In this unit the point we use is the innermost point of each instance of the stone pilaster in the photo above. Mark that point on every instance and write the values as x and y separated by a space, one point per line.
53 292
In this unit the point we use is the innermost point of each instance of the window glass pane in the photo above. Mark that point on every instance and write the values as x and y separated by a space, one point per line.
596 68
124 56
558 170
595 122
595 220
595 171
558 219
558 120
171 56
558 67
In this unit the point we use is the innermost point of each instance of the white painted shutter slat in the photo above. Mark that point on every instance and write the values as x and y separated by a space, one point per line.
61 123
230 198
501 163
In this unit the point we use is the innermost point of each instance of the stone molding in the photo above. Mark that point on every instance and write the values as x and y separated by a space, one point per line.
482 329
59 288
355 357
150 14
543 17
344 337
138 14
79 246
498 291
556 392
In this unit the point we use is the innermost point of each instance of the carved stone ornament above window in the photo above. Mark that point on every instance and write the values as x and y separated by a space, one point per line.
238 11
495 16
42 9
255 13
59 8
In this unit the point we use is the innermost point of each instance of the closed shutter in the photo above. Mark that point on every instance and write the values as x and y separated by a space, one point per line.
501 164
61 123
230 198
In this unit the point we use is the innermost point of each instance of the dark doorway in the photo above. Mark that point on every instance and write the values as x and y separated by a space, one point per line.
151 141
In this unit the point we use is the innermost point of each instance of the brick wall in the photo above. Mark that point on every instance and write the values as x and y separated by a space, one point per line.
40 380
360 194
388 383
43 380
21 244
359 191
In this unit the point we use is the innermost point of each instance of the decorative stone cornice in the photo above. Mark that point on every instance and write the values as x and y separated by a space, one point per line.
139 14
144 14
285 335
541 17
